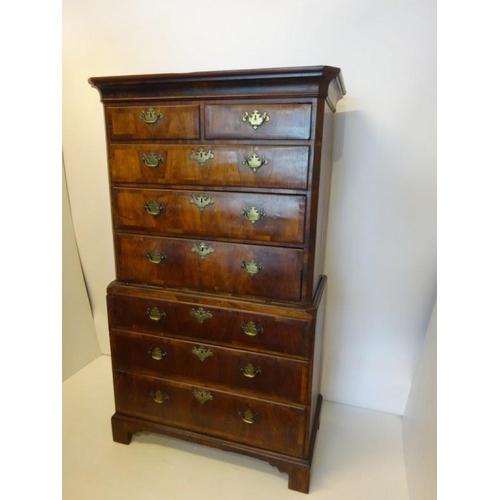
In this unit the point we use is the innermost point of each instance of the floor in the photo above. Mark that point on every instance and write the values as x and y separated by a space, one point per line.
358 456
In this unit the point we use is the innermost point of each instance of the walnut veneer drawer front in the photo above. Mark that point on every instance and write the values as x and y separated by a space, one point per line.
257 217
259 166
206 322
256 121
249 373
211 411
156 122
210 266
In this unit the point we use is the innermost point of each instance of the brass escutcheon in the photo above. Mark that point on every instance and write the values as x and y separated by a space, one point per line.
253 214
201 156
202 396
250 371
202 353
155 314
202 249
150 116
254 162
201 201
256 119
159 397
154 208
248 416
200 314
155 257
152 160
251 267
251 329
157 354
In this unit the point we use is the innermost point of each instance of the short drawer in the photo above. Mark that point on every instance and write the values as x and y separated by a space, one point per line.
267 425
248 216
207 321
250 373
210 165
256 121
153 122
211 266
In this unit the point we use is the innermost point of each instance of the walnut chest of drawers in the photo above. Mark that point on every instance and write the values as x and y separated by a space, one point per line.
219 192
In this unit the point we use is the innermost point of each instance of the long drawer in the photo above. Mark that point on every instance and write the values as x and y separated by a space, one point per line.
234 268
273 333
211 214
249 373
267 425
210 165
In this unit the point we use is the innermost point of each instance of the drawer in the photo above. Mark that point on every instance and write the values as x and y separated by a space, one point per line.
206 322
275 427
154 122
256 120
248 216
248 373
208 165
210 266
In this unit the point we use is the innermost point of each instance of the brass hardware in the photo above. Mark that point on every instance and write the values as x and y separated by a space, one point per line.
201 201
157 353
201 156
155 314
248 416
251 329
202 249
251 267
202 396
253 214
154 208
256 119
200 314
202 352
152 160
254 162
150 116
155 257
159 397
250 371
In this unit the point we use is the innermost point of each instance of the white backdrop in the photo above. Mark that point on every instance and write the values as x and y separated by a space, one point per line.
381 236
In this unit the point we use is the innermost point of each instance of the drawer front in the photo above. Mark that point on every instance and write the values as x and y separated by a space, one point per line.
154 122
256 121
210 266
259 166
275 427
235 370
206 322
248 216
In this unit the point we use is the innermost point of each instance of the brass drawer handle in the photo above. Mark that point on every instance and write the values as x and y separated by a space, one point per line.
155 314
248 416
250 371
150 116
155 257
254 162
202 249
200 314
202 353
157 354
152 160
159 397
201 156
251 329
201 201
154 208
202 396
256 119
251 267
253 214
